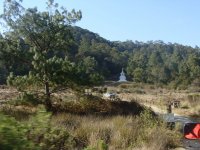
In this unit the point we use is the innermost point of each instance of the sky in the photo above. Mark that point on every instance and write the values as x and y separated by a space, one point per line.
175 21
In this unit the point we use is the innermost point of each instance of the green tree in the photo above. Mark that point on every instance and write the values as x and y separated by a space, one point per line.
154 65
13 56
194 65
49 39
88 71
138 75
137 65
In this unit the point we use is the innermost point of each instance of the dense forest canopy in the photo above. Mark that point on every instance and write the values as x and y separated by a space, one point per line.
88 56
150 62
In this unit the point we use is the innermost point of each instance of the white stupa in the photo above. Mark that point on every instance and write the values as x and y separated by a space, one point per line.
122 77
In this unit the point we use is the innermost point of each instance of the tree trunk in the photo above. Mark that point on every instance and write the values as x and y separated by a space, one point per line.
48 104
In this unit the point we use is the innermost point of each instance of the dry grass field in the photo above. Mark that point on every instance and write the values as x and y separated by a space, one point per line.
120 126
159 97
7 93
119 132
150 95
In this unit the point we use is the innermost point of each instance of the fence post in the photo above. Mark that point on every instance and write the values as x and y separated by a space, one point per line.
170 125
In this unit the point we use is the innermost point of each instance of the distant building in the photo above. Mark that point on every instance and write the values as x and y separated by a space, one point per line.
122 77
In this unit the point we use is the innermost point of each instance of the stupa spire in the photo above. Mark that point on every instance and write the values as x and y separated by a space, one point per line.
122 77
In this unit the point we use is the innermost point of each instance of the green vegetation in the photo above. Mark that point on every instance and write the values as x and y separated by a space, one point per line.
98 106
42 41
34 133
39 40
13 135
43 53
67 131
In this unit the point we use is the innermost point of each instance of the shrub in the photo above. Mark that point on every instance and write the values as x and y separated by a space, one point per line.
27 98
47 136
35 133
100 107
13 135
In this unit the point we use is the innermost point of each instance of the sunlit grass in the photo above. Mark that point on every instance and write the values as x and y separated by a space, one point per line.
119 132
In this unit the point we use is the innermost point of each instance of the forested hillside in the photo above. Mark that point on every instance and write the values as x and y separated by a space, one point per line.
151 62
98 59
52 67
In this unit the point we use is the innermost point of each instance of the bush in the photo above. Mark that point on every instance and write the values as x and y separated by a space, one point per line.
47 136
36 133
100 106
13 135
27 98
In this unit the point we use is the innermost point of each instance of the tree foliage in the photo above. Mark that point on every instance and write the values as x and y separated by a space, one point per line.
48 39
44 48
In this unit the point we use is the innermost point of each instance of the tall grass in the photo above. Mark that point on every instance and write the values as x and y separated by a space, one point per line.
192 102
96 124
119 132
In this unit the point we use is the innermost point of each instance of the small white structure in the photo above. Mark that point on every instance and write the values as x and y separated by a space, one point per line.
122 77
109 95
